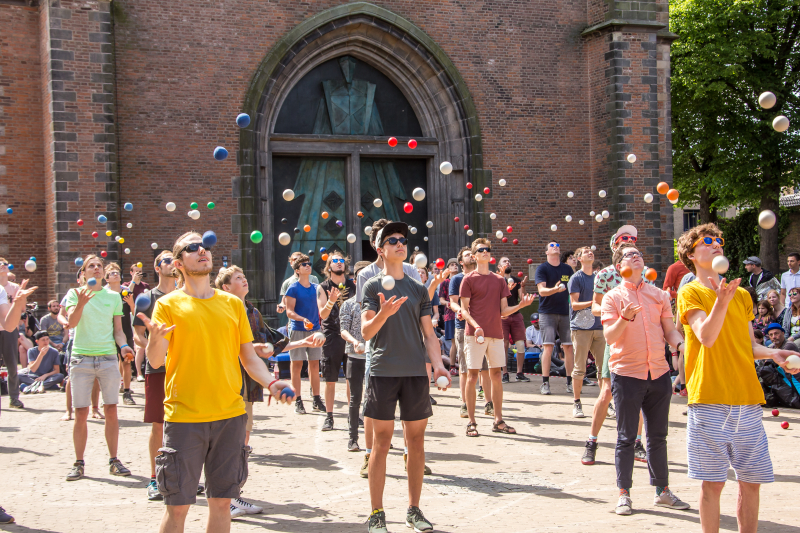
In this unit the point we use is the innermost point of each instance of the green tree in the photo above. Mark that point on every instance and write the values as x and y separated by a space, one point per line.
726 152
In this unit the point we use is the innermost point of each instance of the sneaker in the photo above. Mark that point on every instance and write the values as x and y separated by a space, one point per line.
545 388
365 467
121 387
298 407
433 402
624 505
589 383
639 453
77 471
236 512
505 378
684 392
248 507
140 378
127 398
5 518
453 371
352 446
415 519
318 406
426 470
463 413
488 409
328 424
669 500
200 489
376 523
590 452
569 388
16 404
480 393
152 492
612 413
577 410
117 468
522 377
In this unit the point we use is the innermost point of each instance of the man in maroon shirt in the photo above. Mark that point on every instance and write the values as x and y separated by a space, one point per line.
483 300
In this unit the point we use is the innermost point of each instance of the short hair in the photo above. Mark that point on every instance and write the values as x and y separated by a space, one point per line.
177 252
460 256
92 257
299 260
376 227
795 255
358 267
159 257
130 269
225 275
597 265
504 257
111 266
618 253
688 238
327 269
294 256
582 250
51 302
477 242
565 255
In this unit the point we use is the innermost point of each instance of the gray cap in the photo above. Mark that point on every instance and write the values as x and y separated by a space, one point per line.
753 260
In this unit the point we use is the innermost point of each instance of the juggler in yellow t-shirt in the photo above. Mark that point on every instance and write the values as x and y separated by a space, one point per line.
203 381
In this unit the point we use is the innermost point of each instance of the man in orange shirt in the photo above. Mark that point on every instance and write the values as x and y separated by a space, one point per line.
637 317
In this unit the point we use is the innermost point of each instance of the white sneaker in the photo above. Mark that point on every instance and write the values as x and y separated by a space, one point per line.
612 413
248 507
140 378
236 512
577 410
670 501
624 505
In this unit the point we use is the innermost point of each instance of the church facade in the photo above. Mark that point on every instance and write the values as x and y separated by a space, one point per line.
108 103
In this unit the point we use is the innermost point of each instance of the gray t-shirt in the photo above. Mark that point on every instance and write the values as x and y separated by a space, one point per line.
285 287
398 350
54 330
583 283
49 360
372 270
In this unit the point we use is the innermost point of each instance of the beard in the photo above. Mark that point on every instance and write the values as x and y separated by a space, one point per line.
199 271
338 271
507 270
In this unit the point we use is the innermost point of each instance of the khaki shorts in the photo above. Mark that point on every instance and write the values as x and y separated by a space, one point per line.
493 350
584 341
461 350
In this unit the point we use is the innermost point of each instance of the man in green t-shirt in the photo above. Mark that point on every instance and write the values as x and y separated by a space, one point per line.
95 315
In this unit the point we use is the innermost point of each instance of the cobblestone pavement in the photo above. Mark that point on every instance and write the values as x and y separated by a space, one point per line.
307 481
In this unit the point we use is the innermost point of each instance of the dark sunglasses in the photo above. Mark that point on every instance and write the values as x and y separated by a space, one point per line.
627 238
793 293
193 247
395 240
339 260
483 249
166 261
306 264
3 263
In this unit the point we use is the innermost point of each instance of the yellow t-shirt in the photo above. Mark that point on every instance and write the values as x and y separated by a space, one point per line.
203 381
725 373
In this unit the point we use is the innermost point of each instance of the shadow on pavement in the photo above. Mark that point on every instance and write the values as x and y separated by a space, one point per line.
294 460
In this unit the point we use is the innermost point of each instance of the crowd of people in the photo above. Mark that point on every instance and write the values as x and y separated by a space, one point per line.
395 330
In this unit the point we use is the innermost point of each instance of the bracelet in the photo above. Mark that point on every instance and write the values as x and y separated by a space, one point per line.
627 320
273 382
124 346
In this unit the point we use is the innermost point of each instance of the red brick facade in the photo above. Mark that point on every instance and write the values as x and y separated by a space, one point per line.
563 91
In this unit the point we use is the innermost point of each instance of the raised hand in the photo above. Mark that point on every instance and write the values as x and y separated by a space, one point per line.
392 305
129 300
23 292
527 299
523 282
630 311
333 295
155 329
440 277
84 295
725 291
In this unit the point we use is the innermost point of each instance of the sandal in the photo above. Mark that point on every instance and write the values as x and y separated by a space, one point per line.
472 430
505 429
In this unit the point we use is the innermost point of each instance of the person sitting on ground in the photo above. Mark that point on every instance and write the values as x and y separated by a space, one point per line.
765 316
42 370
791 315
50 324
774 298
777 335
759 336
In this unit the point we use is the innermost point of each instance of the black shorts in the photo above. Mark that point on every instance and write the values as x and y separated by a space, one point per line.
413 392
332 358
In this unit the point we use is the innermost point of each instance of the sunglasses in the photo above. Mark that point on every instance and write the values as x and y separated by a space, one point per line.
484 249
627 238
193 247
631 255
166 261
793 293
554 245
394 240
338 260
3 263
306 264
708 241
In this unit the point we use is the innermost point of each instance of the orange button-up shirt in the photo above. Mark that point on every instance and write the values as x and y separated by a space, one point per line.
640 348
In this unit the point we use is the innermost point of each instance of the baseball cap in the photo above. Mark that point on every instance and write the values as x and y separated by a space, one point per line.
451 261
41 333
753 260
534 317
772 326
388 229
630 230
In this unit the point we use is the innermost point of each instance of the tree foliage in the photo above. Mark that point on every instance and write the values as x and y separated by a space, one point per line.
726 152
741 238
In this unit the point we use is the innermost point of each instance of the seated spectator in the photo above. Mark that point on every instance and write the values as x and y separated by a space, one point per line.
759 336
777 335
42 371
533 335
51 325
765 315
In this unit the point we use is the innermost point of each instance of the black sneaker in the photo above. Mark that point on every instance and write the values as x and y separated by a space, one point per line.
433 402
127 398
522 377
16 404
115 467
200 489
317 405
328 424
352 446
5 518
505 378
77 471
298 407
639 453
416 520
589 453
376 523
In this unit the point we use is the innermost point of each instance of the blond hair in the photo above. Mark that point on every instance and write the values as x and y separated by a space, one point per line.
225 275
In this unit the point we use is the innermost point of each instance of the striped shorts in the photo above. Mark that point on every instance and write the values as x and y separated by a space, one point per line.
722 436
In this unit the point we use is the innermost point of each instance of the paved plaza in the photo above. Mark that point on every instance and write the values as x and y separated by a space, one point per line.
307 481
